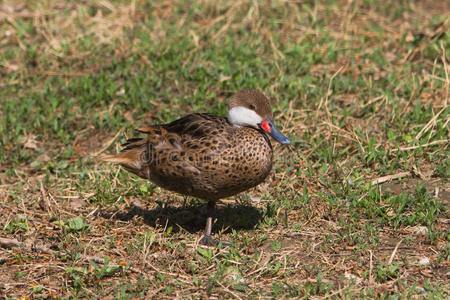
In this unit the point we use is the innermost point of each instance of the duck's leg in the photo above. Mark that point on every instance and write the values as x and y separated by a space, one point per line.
207 239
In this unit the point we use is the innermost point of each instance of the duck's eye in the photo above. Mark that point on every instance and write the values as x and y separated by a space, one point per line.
251 106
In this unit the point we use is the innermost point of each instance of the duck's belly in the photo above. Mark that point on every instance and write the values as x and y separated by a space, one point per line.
242 164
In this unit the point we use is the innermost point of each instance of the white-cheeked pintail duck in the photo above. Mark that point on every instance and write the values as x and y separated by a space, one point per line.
207 156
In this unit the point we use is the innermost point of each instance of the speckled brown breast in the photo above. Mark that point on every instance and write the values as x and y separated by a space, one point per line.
204 156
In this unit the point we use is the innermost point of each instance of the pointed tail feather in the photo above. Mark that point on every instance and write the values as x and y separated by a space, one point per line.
132 157
129 159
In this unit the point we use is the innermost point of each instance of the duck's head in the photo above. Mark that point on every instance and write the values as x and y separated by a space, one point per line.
251 108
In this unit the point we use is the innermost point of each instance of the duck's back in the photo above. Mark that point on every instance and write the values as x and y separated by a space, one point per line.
200 155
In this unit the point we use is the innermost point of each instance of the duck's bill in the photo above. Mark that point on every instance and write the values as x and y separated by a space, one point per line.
269 127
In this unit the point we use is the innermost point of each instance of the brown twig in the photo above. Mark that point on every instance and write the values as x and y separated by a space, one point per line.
430 123
107 144
391 259
14 243
439 142
391 177
370 266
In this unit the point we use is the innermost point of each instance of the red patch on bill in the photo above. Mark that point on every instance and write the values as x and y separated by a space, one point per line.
265 126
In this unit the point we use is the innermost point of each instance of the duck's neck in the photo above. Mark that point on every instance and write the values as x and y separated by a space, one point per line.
266 138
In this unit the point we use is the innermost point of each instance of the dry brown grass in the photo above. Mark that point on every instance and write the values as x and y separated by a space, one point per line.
307 246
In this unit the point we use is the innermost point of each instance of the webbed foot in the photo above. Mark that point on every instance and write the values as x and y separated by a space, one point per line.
208 240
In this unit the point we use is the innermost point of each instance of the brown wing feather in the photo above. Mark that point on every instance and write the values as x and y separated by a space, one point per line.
196 125
166 146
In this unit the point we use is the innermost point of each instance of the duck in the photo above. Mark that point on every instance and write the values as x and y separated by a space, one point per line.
207 156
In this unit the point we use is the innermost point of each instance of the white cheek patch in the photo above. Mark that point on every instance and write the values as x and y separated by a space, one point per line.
241 116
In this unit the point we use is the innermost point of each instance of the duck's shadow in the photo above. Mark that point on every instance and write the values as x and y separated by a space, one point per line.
192 218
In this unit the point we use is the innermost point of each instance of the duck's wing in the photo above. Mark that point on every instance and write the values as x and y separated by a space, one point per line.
175 153
193 125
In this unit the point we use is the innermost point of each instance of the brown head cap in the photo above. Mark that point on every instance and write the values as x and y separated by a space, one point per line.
254 100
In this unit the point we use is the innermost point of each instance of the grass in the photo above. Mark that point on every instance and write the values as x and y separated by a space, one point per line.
360 87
